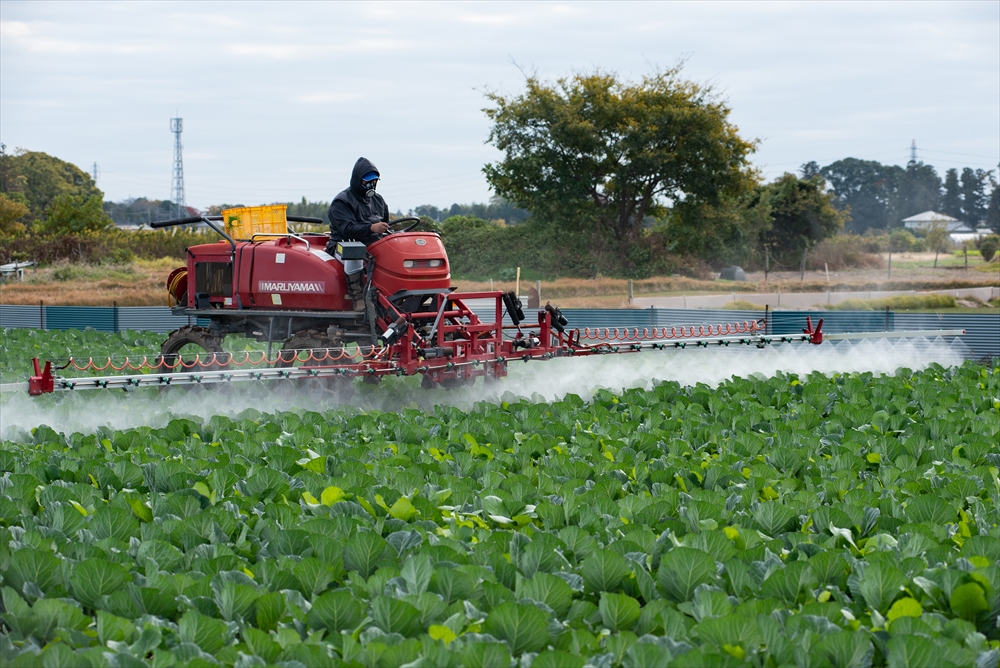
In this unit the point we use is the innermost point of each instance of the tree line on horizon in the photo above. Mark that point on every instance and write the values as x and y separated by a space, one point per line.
610 176
880 196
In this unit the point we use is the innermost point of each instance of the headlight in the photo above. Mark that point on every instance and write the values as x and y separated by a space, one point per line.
422 264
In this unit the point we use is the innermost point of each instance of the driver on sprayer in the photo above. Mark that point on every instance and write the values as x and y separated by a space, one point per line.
358 213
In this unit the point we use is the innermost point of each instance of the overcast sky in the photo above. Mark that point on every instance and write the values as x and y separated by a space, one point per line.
279 99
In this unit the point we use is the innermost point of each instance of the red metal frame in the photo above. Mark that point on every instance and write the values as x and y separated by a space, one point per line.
294 272
460 348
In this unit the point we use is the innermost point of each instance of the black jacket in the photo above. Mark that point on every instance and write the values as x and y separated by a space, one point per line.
352 214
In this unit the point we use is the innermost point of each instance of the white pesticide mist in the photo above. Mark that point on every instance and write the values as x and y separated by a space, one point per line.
88 411
582 376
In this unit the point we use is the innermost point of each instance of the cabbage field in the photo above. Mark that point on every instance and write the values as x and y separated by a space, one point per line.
813 520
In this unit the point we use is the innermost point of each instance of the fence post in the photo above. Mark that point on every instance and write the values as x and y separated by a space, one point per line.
115 305
538 289
630 292
41 314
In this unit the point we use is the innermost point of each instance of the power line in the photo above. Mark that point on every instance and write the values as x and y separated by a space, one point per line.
971 155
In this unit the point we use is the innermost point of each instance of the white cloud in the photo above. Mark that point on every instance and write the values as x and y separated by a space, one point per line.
317 84
489 19
327 98
277 51
203 155
214 20
14 29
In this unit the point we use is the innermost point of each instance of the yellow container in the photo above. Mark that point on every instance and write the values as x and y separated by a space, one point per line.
246 221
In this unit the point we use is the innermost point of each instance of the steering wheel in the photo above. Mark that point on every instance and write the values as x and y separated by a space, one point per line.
406 219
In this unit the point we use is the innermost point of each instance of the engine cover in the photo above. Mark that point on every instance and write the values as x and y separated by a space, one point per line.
410 261
282 276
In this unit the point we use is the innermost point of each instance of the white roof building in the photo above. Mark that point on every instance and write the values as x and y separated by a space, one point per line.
970 236
930 218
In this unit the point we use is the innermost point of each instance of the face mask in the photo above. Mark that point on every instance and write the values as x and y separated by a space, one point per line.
369 187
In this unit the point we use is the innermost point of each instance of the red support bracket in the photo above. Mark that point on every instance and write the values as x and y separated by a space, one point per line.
815 335
42 382
545 328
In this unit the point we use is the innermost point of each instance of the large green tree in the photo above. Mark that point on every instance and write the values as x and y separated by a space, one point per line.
951 199
73 214
42 178
39 180
599 154
880 196
975 197
865 189
993 210
802 214
918 190
726 232
12 210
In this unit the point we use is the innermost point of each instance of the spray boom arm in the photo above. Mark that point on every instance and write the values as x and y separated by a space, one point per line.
446 343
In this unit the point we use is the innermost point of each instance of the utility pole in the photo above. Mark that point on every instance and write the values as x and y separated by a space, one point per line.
177 186
95 172
913 151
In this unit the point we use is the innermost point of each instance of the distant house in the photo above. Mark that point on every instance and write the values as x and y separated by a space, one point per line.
930 218
971 236
958 232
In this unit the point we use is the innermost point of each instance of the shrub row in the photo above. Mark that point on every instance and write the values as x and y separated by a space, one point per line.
106 247
480 250
899 303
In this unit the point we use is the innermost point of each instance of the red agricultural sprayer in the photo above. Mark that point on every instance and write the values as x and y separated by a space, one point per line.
266 283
